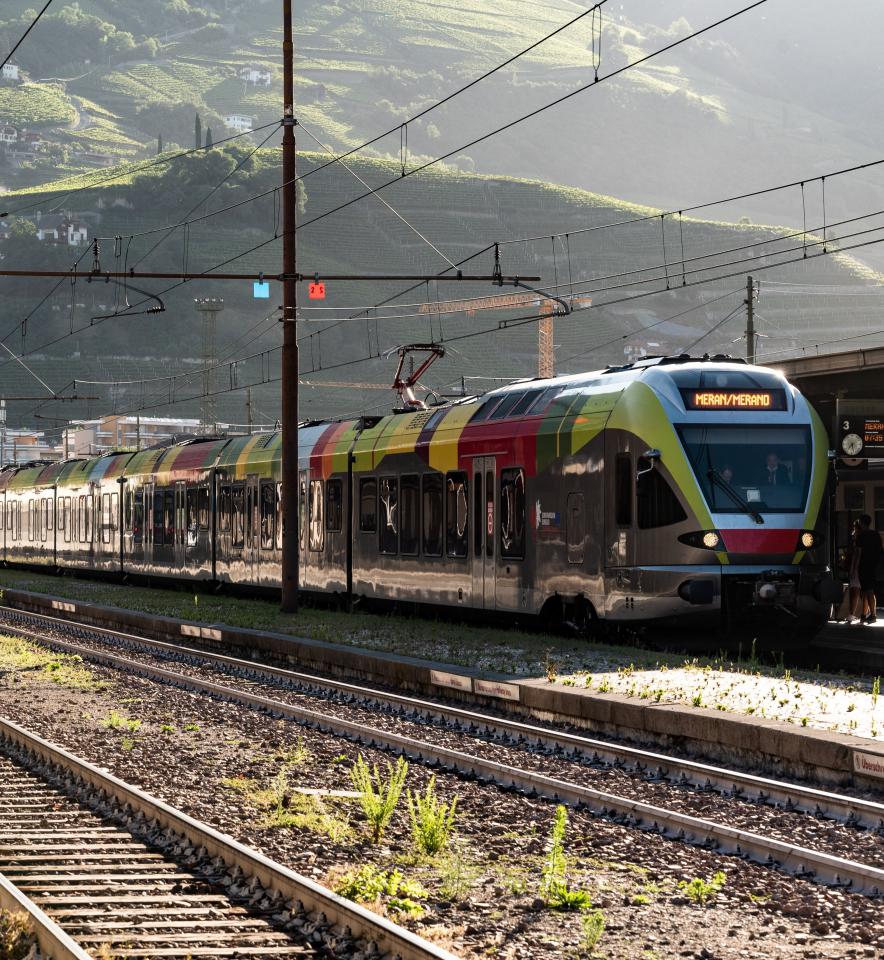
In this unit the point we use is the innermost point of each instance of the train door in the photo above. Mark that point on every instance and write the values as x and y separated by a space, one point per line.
179 525
619 522
250 547
485 509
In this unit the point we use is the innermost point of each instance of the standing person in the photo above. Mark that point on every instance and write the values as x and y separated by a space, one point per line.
869 543
854 608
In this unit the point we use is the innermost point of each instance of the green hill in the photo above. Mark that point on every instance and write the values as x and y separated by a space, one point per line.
460 213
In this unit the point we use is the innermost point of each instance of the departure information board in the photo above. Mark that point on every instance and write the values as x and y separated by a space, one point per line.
761 401
860 434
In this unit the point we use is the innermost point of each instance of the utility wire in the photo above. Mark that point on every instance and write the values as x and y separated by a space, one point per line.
737 309
21 39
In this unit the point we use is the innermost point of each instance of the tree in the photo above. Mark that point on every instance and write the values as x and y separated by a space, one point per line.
197 132
159 144
209 141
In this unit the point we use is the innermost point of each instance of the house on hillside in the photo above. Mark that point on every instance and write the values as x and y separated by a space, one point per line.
30 138
255 76
61 229
10 72
8 134
238 122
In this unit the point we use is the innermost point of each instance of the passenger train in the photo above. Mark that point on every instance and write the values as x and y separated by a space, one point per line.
672 490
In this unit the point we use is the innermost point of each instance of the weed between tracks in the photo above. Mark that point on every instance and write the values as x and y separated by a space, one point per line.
16 935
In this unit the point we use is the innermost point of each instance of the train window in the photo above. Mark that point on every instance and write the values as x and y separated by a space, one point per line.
302 513
158 537
191 519
409 513
541 402
115 511
202 508
224 508
512 513
656 503
32 522
317 527
237 515
368 505
105 518
138 517
485 411
432 514
50 510
623 489
334 505
268 513
478 515
388 537
278 510
169 516
251 532
505 407
89 524
526 401
457 512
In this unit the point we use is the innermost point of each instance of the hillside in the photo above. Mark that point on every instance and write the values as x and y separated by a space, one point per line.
460 213
738 108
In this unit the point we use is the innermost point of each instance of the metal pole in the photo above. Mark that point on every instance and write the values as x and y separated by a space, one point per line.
290 559
750 321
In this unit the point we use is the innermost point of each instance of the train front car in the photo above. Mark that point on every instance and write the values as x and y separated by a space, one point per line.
730 467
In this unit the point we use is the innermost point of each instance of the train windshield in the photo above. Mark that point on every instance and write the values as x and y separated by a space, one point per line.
767 467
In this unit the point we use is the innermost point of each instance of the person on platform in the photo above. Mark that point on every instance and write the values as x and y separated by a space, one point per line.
869 543
855 596
775 473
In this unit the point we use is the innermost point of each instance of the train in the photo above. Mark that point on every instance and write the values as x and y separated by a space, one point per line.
673 491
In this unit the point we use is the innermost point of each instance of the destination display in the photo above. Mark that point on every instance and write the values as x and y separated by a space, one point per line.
861 434
761 400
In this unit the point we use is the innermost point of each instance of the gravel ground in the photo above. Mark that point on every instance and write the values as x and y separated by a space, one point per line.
214 760
790 827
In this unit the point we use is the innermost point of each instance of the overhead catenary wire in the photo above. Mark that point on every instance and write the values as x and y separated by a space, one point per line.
22 38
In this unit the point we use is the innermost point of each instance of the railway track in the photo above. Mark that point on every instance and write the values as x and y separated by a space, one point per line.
106 870
255 680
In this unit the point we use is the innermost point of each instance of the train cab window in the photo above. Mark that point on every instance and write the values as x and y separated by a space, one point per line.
317 527
105 518
409 514
512 513
505 407
388 533
334 505
237 515
656 503
433 512
368 505
268 514
623 490
541 402
457 509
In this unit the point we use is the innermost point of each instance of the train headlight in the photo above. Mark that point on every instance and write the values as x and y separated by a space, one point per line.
807 539
706 539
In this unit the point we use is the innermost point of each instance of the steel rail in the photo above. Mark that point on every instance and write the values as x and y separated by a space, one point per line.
391 940
792 796
53 942
799 861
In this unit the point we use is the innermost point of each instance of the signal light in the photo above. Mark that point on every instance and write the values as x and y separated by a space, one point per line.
705 539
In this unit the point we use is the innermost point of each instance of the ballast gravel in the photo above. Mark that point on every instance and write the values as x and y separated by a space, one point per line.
484 900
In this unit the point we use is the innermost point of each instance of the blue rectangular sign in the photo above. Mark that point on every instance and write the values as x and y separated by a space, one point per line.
261 290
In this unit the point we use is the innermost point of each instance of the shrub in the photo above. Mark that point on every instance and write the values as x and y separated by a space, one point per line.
432 821
702 891
378 797
392 890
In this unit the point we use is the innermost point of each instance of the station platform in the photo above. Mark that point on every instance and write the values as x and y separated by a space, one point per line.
849 647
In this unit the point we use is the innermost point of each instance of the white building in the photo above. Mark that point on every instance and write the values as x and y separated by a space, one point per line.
62 229
10 71
85 438
238 122
8 134
256 76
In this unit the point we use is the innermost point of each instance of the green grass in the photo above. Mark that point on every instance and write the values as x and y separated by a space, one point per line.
24 662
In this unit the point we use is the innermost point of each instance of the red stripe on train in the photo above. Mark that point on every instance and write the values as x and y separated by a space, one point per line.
760 541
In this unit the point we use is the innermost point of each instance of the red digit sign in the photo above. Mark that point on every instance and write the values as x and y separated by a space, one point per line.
317 291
